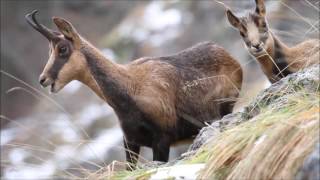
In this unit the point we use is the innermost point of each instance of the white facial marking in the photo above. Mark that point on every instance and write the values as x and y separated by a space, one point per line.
49 62
253 33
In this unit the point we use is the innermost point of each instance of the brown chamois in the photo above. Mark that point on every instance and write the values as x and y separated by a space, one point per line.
276 59
158 100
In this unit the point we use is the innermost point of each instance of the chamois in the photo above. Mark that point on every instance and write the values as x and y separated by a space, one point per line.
276 59
158 100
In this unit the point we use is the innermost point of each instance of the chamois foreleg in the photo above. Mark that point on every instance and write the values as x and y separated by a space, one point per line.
132 153
161 149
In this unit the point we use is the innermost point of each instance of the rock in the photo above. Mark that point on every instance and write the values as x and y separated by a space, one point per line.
213 129
178 172
310 169
152 165
307 78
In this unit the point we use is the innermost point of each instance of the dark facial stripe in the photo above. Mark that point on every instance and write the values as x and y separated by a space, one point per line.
280 61
255 20
243 27
60 60
56 67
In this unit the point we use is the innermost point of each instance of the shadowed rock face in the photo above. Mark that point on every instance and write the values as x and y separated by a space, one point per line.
311 166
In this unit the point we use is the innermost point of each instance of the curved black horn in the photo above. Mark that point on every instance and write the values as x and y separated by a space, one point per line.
31 19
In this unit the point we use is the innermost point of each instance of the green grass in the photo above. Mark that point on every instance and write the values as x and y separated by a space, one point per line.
200 157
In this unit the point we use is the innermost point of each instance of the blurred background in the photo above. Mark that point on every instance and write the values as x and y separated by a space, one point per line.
74 132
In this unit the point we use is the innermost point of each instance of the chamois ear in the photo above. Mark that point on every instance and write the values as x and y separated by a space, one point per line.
260 8
234 20
66 29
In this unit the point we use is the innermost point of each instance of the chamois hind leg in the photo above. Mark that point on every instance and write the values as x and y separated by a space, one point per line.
161 149
132 154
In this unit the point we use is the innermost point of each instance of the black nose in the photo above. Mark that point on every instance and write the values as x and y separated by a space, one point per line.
257 46
42 79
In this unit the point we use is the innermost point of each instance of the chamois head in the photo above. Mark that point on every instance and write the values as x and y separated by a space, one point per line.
253 28
65 59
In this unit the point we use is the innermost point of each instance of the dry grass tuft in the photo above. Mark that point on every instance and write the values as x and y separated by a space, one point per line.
272 145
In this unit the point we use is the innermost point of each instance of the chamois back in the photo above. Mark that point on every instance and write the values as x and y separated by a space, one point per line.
193 83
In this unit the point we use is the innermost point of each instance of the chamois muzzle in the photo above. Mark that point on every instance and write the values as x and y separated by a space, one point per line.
31 19
257 47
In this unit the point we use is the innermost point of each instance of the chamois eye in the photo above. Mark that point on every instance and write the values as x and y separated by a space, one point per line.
62 50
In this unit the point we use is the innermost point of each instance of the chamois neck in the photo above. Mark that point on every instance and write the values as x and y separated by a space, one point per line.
109 80
279 46
276 49
96 55
87 79
275 62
